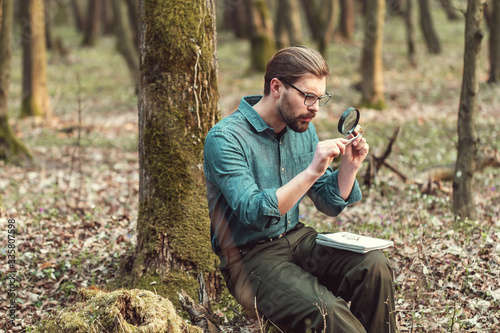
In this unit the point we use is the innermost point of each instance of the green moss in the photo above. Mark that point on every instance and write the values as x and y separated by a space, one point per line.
11 148
377 105
124 311
29 108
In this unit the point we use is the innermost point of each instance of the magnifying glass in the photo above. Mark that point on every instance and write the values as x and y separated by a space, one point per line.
348 122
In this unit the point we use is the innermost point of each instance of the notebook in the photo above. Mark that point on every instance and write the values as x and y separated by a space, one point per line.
352 242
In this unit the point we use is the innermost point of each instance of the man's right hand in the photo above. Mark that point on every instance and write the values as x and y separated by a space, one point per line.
326 151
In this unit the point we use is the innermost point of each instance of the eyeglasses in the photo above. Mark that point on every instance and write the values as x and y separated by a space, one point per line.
310 99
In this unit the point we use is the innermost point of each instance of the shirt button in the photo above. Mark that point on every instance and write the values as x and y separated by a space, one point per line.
283 169
288 222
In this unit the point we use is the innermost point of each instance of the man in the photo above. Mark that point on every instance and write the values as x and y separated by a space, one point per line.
259 164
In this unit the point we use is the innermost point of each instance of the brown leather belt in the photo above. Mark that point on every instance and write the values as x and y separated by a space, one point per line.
247 247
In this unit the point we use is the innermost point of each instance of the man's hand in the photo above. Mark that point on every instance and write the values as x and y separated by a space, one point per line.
326 151
355 153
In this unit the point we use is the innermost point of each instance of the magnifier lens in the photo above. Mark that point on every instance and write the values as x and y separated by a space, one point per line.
348 121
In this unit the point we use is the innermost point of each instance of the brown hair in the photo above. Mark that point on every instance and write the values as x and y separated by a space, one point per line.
290 63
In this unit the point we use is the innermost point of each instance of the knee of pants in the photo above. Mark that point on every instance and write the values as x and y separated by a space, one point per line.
378 265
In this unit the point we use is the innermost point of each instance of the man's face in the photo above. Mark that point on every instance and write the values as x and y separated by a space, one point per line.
291 108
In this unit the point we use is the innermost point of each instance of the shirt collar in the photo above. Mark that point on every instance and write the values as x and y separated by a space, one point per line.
246 108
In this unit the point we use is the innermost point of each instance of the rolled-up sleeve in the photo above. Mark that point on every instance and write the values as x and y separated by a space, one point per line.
326 196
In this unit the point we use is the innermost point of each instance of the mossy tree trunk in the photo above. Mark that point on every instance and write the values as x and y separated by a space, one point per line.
262 40
36 100
178 104
427 25
494 43
11 149
463 200
372 76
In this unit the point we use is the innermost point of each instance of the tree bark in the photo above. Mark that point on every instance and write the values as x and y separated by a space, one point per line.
330 13
124 40
451 13
92 24
494 43
11 149
288 30
35 95
347 19
372 76
133 15
427 25
77 12
262 41
410 31
463 200
178 104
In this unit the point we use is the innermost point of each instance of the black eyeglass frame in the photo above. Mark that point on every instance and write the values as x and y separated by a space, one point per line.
318 98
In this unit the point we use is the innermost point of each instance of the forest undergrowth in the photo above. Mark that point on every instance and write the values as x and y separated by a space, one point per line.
75 206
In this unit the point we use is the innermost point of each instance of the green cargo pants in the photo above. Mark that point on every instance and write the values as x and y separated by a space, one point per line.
303 286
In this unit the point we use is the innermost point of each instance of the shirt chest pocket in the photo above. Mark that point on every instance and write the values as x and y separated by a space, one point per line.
302 161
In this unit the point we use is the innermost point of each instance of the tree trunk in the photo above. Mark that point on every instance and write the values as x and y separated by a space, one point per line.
410 31
133 16
427 25
347 19
236 18
451 13
372 76
262 41
463 200
35 96
310 9
330 13
91 32
494 43
107 20
77 12
288 30
124 40
11 149
178 104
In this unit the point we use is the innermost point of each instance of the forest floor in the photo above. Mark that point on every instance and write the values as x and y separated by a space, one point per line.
75 207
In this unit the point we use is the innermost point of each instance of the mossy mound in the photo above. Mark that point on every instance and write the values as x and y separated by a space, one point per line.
124 311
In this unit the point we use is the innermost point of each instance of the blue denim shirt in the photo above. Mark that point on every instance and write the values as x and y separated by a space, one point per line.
244 165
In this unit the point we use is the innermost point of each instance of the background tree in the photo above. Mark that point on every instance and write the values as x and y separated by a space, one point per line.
92 23
36 100
427 25
125 39
288 27
410 31
78 14
11 149
347 19
494 42
262 41
463 199
133 16
372 76
322 18
178 104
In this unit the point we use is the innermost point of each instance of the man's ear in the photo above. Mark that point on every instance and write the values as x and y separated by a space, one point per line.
276 87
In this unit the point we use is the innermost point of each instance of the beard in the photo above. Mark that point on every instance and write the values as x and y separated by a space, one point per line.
297 124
